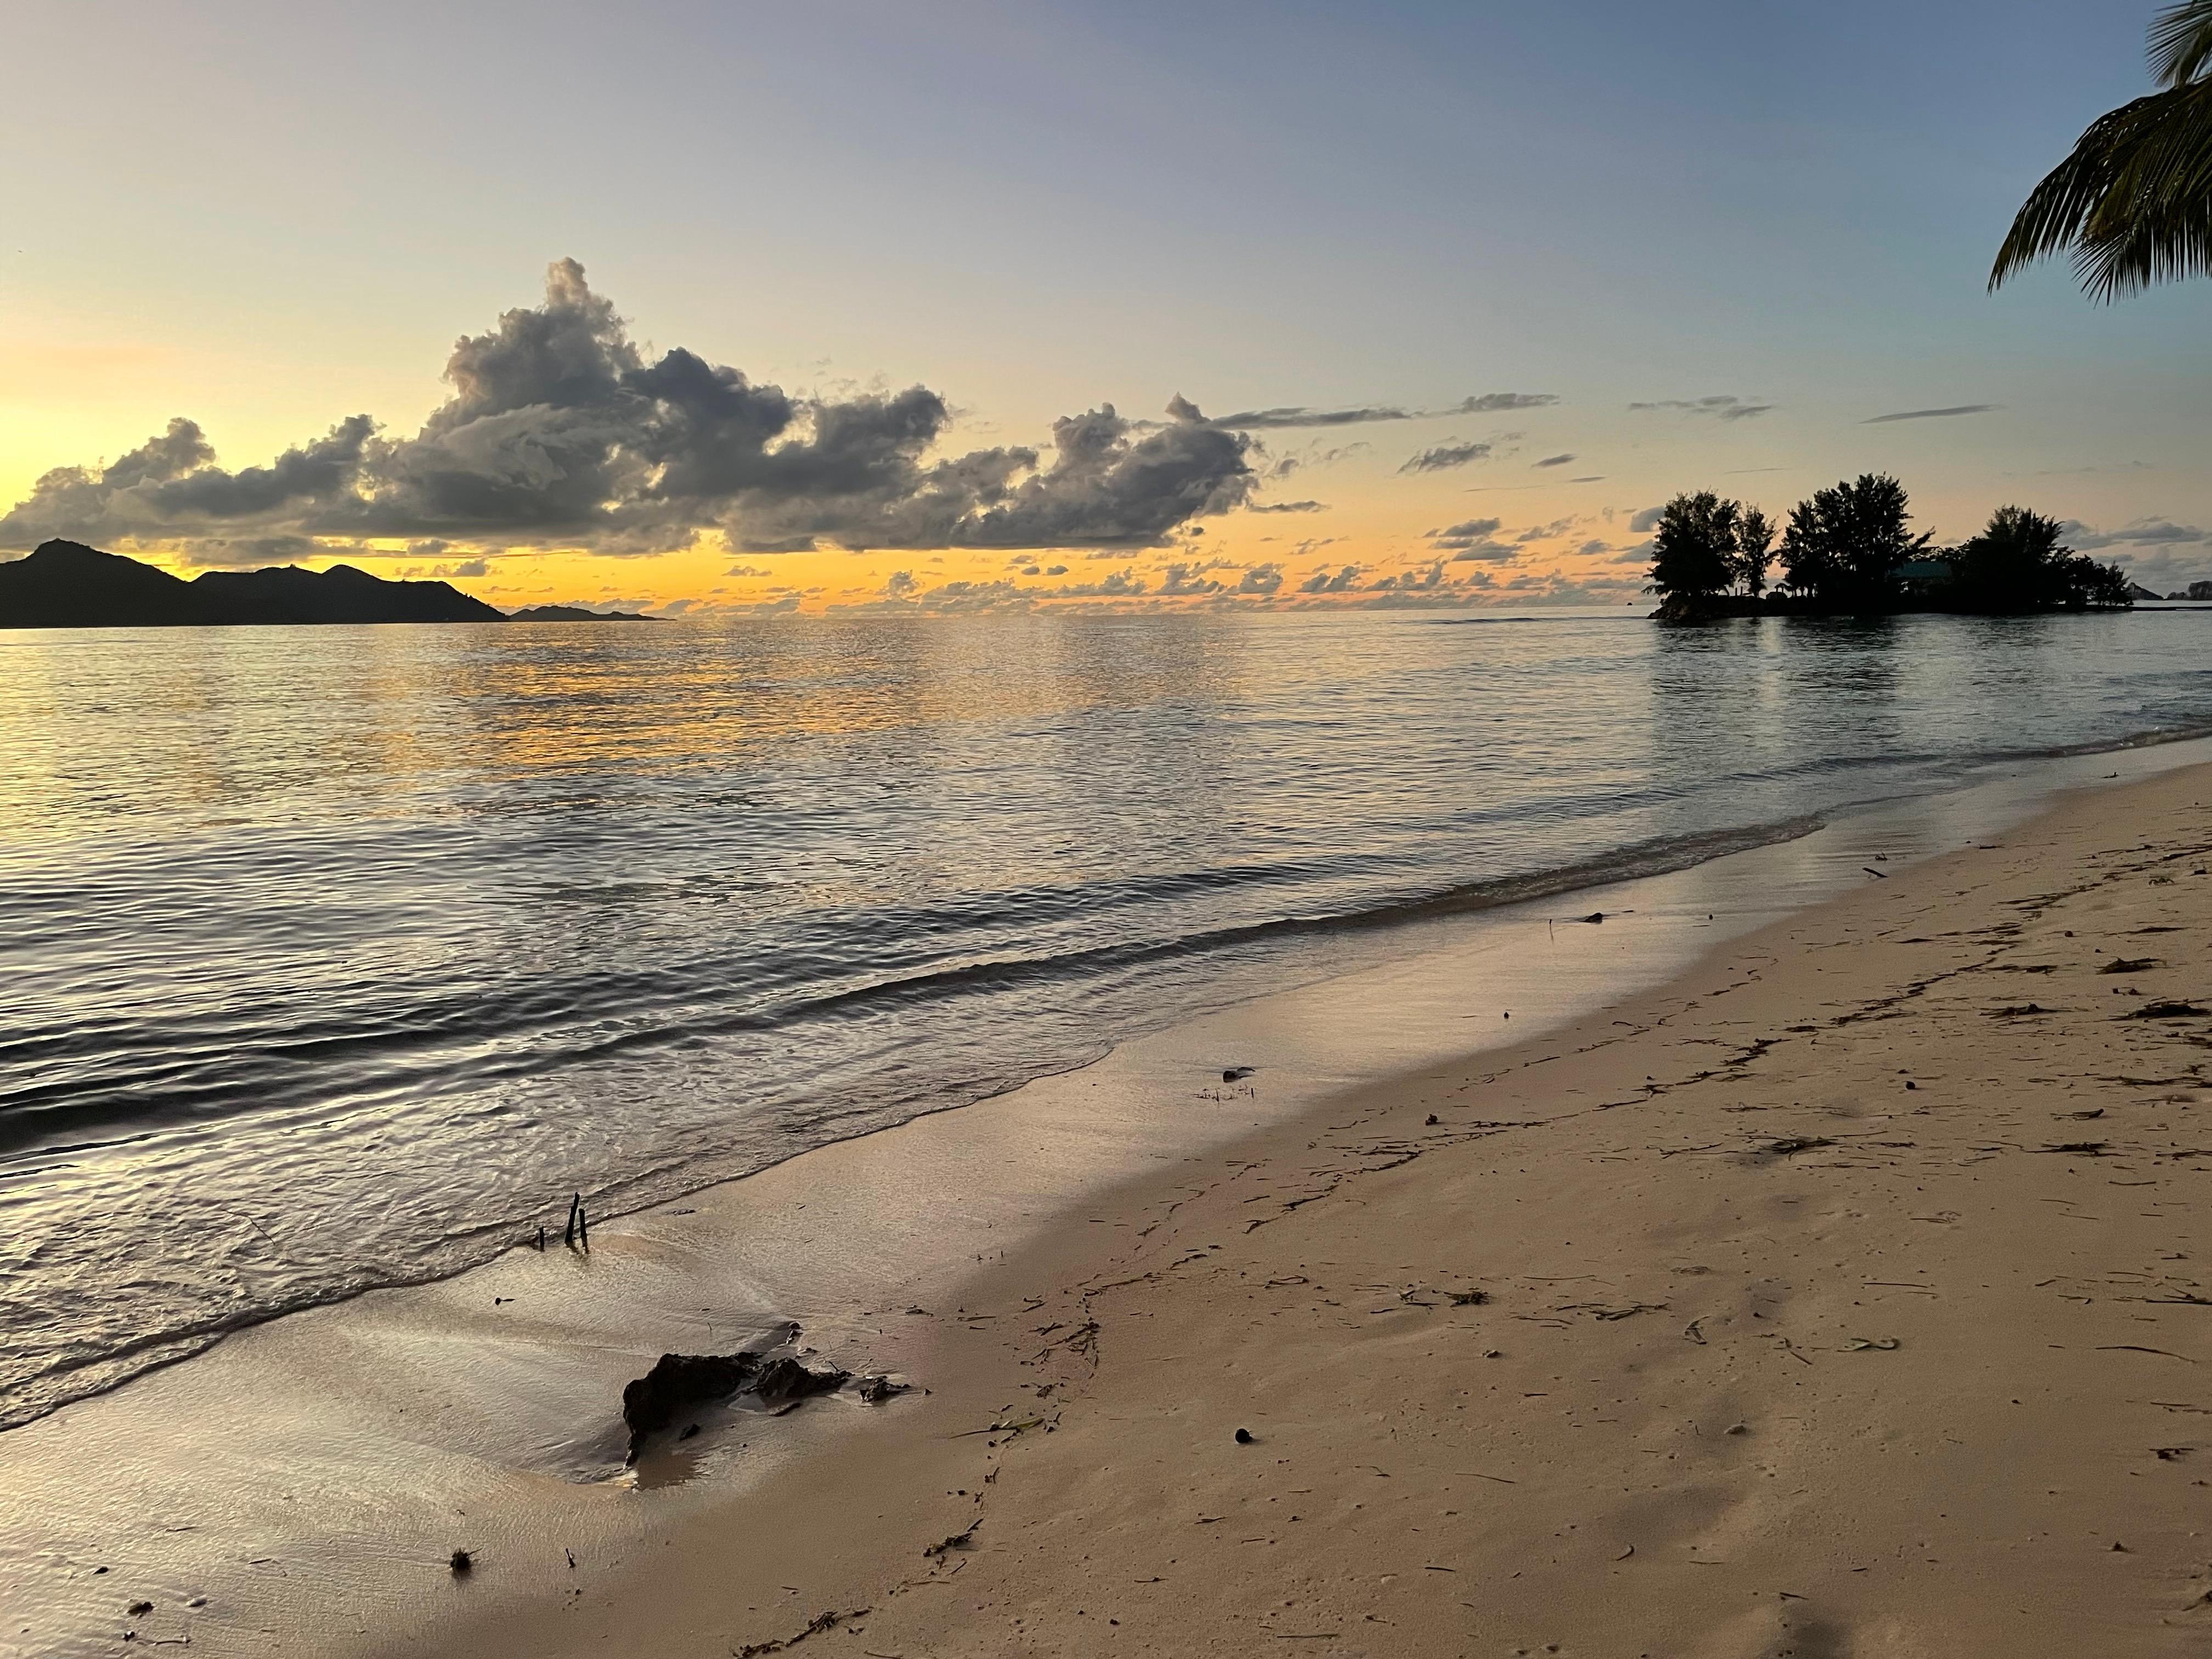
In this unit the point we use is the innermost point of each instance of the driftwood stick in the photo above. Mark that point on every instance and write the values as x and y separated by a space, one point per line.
583 1226
568 1232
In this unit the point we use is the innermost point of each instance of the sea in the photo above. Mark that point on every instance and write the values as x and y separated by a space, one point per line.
334 958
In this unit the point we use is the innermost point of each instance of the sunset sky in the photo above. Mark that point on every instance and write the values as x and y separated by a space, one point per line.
971 305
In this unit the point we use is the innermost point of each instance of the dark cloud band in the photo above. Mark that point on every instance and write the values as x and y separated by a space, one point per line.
560 433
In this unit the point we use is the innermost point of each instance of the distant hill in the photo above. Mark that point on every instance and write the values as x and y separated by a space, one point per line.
575 613
68 585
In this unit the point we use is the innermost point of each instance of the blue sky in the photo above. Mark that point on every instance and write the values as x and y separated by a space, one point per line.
267 218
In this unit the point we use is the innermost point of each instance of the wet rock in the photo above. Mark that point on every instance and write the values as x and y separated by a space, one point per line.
678 1382
874 1390
785 1381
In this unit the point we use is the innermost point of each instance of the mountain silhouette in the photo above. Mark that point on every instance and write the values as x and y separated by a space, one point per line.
68 585
575 613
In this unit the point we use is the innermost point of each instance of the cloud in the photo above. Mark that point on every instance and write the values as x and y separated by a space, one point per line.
561 433
1470 541
1930 414
1592 477
2143 532
1411 581
1646 519
1543 532
1321 582
2162 570
1185 578
1305 415
1594 546
1287 507
1490 402
749 570
1261 579
1299 415
1554 460
1720 408
1119 584
1318 455
1443 456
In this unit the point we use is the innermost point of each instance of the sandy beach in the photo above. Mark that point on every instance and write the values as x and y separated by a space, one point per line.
1843 1299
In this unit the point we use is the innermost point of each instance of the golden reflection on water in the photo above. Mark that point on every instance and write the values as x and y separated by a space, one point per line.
235 720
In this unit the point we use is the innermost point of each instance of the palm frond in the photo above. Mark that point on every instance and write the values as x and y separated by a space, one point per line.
2133 200
2181 42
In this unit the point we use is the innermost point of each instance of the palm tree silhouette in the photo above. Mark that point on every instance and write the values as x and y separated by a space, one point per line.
2133 202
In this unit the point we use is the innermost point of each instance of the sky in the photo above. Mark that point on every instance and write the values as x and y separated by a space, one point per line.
741 307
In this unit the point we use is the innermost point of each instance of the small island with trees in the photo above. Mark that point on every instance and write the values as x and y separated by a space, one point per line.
1850 551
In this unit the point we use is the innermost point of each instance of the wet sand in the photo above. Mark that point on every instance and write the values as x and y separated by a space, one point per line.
1687 1327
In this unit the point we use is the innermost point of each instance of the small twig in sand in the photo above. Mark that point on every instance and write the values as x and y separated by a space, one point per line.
959 1541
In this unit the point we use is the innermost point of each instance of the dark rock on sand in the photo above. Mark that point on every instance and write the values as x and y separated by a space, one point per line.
785 1381
676 1382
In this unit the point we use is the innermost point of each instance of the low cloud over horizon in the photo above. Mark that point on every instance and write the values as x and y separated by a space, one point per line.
1300 414
559 434
1928 414
1722 408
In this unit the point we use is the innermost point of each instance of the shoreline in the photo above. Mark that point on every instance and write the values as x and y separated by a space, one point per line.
1472 904
1862 1432
826 1448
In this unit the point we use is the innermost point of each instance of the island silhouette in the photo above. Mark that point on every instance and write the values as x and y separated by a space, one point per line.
63 584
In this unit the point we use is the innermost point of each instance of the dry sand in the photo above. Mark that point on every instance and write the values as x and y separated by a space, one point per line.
1844 1299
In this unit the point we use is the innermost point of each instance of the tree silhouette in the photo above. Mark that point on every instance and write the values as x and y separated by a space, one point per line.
1844 546
1754 545
2017 563
2134 199
1694 554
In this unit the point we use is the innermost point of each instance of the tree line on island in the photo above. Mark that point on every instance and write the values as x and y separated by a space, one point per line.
1851 550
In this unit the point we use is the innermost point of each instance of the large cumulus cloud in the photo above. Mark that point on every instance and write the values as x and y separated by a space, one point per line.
559 432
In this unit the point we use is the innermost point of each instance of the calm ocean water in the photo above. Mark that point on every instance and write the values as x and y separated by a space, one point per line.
338 957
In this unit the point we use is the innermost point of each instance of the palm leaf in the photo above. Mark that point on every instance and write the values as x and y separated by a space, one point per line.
2133 201
2181 42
